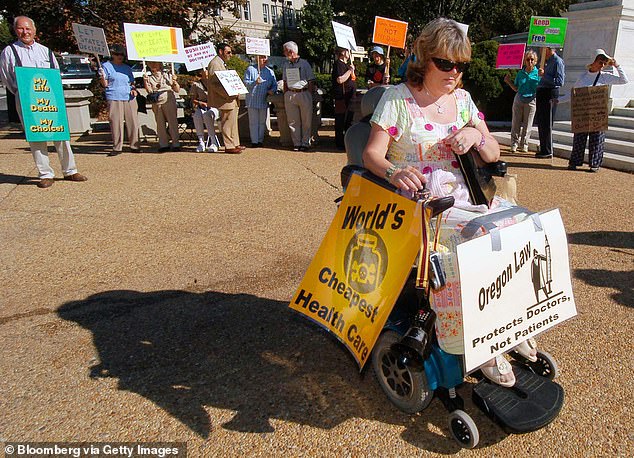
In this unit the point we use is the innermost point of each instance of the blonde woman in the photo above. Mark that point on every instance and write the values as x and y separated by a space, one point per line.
418 128
161 87
524 105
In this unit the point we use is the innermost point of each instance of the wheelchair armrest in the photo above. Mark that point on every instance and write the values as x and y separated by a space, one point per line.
495 169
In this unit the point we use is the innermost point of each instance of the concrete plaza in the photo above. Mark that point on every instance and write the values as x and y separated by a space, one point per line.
150 304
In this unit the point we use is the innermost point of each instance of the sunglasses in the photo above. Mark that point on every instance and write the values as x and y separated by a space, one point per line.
448 65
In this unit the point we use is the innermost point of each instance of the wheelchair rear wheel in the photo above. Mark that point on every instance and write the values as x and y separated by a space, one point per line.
405 387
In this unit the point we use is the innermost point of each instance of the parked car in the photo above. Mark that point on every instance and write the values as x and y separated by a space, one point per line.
77 70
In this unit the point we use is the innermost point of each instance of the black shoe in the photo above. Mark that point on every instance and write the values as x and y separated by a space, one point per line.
572 167
164 149
113 153
254 145
297 148
543 156
260 145
135 150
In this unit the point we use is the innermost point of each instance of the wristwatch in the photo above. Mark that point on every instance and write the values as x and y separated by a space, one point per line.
390 171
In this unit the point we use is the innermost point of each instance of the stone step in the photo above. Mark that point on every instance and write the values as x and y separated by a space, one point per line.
613 132
611 160
627 112
626 148
621 121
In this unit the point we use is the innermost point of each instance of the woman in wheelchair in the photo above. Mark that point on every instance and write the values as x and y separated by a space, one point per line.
419 130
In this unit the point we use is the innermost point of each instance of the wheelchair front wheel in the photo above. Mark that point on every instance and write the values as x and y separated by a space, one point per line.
404 386
463 429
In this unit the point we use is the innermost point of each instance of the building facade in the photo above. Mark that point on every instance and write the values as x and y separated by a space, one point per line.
265 18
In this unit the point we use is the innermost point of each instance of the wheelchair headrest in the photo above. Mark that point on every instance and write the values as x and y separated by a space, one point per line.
371 99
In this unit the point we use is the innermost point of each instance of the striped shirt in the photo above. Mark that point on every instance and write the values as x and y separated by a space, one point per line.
256 98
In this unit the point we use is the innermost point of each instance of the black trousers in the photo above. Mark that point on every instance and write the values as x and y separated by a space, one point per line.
343 118
545 114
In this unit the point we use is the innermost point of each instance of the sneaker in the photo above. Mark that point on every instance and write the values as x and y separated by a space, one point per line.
213 148
200 148
594 169
525 149
297 148
513 148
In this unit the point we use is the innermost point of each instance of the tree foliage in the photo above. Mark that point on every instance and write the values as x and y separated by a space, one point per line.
53 18
318 39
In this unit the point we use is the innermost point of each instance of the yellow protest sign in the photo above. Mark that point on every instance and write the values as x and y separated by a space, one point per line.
155 42
361 266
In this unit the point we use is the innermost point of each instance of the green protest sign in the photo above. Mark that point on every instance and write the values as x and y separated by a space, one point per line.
42 103
547 32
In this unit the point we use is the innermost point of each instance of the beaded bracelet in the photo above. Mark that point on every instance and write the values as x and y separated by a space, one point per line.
482 142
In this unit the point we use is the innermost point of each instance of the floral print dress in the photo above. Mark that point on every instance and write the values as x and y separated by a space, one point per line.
418 142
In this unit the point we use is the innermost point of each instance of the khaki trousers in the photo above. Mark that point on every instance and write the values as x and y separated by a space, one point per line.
299 114
166 112
120 112
229 128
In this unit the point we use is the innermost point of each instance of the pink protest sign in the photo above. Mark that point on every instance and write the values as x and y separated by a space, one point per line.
510 56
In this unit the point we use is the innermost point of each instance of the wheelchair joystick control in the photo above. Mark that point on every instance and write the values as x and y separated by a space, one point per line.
415 346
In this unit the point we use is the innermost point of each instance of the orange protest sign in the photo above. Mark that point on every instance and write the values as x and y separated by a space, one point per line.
389 32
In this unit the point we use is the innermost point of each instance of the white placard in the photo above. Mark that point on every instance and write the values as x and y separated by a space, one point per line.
91 40
344 36
517 292
176 53
258 46
464 27
231 81
199 56
292 77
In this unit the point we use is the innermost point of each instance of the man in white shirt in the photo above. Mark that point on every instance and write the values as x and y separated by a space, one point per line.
26 52
299 80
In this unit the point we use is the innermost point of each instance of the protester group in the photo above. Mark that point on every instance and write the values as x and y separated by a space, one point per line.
538 94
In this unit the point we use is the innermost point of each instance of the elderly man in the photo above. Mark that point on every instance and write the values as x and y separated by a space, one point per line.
217 97
26 52
552 76
298 96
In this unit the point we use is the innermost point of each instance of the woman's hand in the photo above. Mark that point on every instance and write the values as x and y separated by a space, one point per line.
133 92
408 179
463 140
202 104
507 79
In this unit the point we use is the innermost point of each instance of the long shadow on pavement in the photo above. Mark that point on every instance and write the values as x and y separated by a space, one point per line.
185 351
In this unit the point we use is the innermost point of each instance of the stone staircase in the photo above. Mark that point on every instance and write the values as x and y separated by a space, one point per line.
619 141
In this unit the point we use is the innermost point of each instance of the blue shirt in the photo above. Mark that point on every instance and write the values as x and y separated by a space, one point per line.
526 83
256 98
554 73
119 79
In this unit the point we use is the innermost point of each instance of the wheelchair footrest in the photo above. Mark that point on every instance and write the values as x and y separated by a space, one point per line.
532 403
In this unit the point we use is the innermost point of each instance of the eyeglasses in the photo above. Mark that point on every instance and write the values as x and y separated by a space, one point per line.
448 65
530 59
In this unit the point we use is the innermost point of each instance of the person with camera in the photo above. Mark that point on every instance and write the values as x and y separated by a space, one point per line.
595 75
117 79
419 131
162 88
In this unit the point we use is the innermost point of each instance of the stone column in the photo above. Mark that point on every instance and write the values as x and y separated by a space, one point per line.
77 109
606 24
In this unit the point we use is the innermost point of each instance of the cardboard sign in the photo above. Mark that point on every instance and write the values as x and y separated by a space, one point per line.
344 36
199 56
161 44
91 40
361 266
514 293
42 102
258 46
589 109
293 78
547 32
231 81
389 32
510 56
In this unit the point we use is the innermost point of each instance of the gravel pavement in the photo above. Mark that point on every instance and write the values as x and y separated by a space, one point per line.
150 303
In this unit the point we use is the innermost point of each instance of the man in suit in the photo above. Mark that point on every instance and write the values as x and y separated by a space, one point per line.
227 105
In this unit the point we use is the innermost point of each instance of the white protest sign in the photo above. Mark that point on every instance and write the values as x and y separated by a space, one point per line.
91 40
258 46
292 78
231 81
464 27
344 36
512 294
199 56
152 42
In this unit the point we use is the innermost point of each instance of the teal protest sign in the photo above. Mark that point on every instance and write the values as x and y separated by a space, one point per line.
547 32
42 103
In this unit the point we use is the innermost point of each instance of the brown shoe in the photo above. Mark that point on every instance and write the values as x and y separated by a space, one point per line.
242 147
75 177
45 183
233 151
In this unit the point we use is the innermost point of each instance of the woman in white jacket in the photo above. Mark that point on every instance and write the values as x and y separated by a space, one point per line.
594 76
